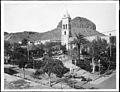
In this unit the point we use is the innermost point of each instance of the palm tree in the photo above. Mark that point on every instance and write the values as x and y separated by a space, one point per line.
96 47
79 41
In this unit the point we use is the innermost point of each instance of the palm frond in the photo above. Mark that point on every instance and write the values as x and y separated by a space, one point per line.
80 39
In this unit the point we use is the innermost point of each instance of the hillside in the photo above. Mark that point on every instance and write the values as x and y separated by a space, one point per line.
78 25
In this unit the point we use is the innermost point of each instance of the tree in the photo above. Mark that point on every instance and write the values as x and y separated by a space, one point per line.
24 42
63 48
52 66
7 47
7 51
19 57
97 47
36 51
51 47
112 57
79 41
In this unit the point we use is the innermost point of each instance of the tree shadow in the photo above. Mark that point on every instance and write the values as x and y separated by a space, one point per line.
10 71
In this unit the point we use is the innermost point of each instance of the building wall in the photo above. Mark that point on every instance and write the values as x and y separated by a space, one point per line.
91 38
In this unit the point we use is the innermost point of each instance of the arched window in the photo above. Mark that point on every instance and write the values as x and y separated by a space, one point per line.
66 26
69 26
64 32
63 26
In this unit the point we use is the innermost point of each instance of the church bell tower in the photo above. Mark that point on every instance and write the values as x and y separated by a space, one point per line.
66 30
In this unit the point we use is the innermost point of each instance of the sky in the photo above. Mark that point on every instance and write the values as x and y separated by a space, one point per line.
45 16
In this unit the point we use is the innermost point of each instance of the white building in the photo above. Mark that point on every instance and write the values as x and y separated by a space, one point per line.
66 30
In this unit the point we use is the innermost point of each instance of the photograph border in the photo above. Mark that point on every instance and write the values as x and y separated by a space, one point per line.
117 45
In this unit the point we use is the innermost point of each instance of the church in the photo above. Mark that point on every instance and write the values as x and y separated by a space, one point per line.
66 34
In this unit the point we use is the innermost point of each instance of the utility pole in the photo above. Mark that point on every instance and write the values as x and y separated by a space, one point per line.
110 50
110 44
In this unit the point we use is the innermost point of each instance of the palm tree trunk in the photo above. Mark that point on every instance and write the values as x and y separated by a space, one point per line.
93 65
108 66
24 72
49 81
79 52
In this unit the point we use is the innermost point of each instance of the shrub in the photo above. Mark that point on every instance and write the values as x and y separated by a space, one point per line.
84 64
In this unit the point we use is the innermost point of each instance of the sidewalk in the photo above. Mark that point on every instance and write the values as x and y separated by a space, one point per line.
108 82
13 82
102 79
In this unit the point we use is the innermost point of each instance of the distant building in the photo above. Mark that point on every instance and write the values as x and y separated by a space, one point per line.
44 41
20 42
41 42
37 42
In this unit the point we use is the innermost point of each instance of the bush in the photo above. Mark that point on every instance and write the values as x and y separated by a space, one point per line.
36 53
36 64
56 66
39 72
84 64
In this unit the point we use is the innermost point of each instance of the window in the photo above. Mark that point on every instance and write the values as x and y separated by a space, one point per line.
63 26
66 26
69 26
64 32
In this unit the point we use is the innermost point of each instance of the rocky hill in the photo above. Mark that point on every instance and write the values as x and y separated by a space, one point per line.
78 25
